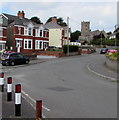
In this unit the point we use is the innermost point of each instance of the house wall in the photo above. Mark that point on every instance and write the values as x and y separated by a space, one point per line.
55 37
10 37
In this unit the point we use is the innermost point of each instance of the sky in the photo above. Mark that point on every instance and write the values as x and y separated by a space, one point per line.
102 14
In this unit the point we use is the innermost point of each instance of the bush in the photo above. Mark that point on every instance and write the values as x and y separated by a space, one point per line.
72 48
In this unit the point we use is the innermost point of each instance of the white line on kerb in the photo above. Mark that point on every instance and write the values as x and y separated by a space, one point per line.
113 79
35 101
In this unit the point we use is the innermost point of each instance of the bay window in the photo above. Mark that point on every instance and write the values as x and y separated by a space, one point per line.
27 44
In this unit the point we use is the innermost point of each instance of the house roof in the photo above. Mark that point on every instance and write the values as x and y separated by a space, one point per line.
16 20
52 25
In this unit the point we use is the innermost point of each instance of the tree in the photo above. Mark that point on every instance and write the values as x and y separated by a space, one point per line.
36 20
109 33
60 21
75 35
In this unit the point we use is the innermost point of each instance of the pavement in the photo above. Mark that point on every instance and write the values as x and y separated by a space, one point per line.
8 109
101 69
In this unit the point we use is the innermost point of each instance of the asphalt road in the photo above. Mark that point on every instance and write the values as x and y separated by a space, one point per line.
68 89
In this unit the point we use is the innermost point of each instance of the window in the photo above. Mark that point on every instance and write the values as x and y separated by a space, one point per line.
25 31
18 42
1 20
2 46
36 32
39 44
29 31
45 44
19 30
1 34
41 34
27 44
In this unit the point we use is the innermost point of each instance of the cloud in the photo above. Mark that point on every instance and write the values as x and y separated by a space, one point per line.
108 10
101 15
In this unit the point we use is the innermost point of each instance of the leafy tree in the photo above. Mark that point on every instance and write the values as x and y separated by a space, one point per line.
117 29
60 21
75 35
109 33
36 20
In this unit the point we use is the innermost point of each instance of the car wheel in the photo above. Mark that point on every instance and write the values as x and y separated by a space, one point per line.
27 61
3 64
12 63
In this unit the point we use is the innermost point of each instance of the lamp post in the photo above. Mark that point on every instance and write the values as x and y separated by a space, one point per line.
116 26
68 36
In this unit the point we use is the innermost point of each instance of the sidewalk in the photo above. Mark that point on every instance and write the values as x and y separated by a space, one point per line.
100 68
8 109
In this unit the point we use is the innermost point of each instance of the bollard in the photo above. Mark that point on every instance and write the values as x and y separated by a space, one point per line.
2 82
9 89
38 109
18 100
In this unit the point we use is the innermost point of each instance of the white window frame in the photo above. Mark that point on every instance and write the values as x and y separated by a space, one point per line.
19 30
1 31
37 32
37 45
41 31
2 46
31 31
26 41
25 31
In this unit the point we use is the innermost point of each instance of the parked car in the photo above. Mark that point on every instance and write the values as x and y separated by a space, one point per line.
103 50
14 59
51 48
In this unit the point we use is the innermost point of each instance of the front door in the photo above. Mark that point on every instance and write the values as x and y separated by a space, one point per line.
18 45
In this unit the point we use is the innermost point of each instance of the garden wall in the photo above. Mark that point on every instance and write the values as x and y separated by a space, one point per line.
113 64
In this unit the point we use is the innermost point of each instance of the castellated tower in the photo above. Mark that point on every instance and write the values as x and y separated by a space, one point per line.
85 28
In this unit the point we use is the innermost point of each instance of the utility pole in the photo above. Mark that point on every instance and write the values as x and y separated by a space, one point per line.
101 38
68 36
115 35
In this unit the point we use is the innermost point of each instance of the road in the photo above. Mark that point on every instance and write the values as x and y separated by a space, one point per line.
68 89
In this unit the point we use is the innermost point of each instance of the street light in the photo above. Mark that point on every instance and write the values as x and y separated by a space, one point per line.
68 36
116 26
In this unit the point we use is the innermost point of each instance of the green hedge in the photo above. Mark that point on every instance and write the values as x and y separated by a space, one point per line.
72 48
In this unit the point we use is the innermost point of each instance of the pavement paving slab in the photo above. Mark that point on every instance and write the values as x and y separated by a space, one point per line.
8 109
101 69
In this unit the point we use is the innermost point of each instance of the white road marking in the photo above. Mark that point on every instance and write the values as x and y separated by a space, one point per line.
110 78
35 101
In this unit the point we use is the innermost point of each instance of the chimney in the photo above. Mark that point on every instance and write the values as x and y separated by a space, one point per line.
54 19
21 14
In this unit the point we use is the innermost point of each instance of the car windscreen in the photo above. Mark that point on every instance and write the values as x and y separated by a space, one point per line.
5 55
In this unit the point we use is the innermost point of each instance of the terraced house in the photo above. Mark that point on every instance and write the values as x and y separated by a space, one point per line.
20 34
3 34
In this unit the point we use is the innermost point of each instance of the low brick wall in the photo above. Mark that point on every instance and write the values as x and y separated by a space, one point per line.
87 51
112 64
51 53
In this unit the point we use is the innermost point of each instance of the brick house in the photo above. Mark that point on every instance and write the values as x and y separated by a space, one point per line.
57 34
22 34
3 33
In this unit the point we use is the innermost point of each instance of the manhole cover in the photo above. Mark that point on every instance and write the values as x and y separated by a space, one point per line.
60 89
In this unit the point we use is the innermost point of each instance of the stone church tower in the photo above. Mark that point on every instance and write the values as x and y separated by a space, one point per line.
85 28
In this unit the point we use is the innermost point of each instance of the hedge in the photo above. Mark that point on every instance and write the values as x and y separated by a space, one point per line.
72 48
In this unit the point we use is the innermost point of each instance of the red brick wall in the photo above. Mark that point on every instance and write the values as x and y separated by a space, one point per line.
4 32
51 53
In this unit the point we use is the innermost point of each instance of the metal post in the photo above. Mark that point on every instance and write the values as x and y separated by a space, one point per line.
18 100
38 109
68 36
9 89
2 80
